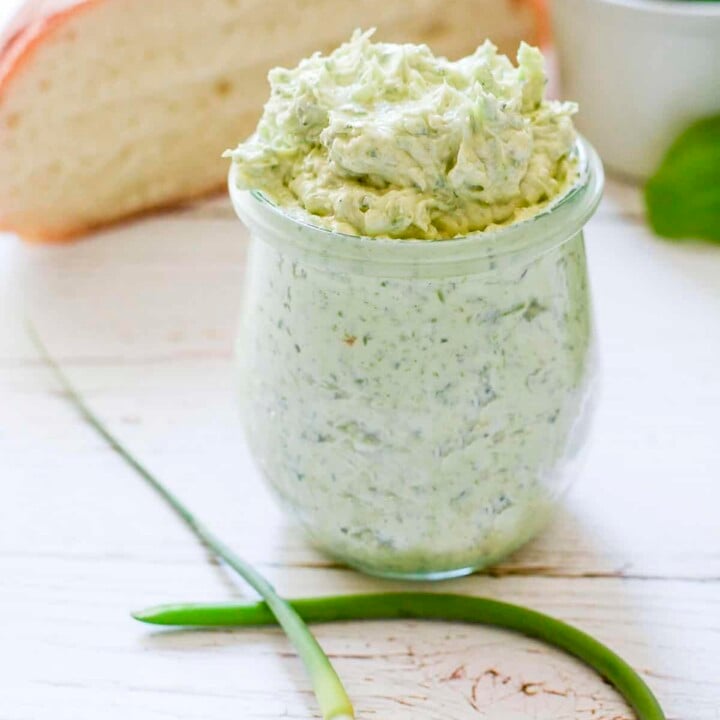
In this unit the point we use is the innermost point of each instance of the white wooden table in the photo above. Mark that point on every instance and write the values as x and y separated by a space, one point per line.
142 317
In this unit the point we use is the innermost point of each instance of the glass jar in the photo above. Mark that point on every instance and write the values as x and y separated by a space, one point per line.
418 406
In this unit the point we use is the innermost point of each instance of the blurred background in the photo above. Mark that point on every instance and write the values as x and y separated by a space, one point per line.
109 109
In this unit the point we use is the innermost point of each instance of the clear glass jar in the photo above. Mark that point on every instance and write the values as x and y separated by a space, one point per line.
418 406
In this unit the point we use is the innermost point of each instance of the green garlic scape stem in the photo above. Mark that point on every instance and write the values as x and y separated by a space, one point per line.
434 606
329 691
332 698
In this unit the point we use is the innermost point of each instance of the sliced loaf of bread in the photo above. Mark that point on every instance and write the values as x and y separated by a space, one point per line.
112 107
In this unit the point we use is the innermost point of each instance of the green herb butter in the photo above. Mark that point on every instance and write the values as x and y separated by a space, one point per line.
389 140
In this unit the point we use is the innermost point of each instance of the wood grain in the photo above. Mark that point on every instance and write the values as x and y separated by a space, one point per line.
143 318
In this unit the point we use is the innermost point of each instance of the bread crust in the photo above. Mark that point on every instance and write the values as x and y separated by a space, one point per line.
30 27
38 235
34 22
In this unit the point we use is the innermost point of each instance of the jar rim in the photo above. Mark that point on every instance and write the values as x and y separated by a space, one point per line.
558 221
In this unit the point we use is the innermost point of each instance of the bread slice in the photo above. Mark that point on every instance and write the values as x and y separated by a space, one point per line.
112 107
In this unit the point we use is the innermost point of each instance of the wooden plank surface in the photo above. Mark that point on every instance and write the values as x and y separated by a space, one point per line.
143 318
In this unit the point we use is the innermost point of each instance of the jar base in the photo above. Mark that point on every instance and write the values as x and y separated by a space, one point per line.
428 576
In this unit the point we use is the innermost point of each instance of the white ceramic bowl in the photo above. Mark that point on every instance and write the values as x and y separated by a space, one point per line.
642 71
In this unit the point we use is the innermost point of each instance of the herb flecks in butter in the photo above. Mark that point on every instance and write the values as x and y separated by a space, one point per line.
389 140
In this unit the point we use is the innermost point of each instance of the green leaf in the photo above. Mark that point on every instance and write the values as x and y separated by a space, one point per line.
683 196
